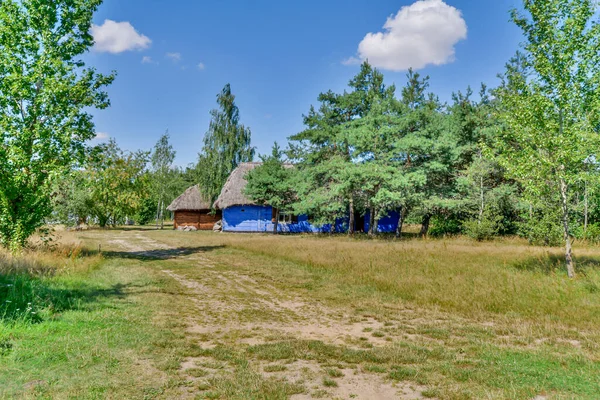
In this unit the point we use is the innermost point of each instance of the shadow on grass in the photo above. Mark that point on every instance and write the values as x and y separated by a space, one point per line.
131 228
32 298
160 254
552 263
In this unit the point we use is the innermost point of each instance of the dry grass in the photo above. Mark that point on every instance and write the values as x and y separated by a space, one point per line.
505 277
464 319
164 314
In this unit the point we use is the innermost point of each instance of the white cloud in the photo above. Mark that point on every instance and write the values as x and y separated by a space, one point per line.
101 136
352 61
418 35
201 66
176 57
117 37
148 60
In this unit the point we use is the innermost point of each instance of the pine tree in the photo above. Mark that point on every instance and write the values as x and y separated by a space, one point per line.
271 184
329 187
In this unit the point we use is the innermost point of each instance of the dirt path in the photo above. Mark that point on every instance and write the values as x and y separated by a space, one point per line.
231 308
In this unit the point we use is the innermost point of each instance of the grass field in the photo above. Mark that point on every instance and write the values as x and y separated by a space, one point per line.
165 314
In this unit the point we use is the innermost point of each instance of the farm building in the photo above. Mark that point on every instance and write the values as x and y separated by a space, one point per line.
191 209
240 214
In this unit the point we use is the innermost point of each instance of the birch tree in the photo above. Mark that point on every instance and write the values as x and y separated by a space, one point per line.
550 104
226 144
162 159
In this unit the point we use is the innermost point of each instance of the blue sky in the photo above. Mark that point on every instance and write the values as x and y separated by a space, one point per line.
173 57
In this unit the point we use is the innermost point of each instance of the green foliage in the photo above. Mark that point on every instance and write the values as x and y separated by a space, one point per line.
45 93
539 227
329 180
226 144
72 201
165 184
442 225
271 183
146 211
549 106
117 181
482 229
591 233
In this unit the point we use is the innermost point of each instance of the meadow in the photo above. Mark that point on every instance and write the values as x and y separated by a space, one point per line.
163 314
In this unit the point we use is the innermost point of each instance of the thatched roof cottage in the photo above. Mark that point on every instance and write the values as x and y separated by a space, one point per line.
232 193
241 214
192 209
238 213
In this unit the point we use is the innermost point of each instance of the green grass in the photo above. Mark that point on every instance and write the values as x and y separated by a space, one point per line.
503 308
329 383
460 319
93 334
334 373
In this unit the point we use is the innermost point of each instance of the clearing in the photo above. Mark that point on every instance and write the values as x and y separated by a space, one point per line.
164 314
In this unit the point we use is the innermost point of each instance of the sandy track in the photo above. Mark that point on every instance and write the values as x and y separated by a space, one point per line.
231 307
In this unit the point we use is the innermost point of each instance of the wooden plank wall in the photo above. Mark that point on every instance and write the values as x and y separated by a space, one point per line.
202 220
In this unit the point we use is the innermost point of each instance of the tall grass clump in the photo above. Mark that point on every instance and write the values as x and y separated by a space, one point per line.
34 284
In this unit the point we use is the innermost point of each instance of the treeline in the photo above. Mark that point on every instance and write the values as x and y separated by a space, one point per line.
436 164
112 187
520 158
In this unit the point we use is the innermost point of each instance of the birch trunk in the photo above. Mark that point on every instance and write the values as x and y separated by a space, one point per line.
565 222
481 199
585 208
157 213
162 215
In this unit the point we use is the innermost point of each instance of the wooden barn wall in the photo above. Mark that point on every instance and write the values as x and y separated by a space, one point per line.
201 220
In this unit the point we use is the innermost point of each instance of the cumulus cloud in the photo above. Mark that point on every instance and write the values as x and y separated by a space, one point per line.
420 34
201 66
176 57
118 37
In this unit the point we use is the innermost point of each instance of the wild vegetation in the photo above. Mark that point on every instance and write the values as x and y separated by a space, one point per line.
467 300
518 159
161 315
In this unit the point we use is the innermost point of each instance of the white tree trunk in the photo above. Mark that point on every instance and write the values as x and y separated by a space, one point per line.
566 235
585 205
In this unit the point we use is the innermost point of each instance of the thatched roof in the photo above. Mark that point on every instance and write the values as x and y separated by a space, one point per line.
232 193
190 200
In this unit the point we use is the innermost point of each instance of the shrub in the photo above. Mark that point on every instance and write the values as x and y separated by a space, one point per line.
444 225
483 229
542 228
591 234
146 212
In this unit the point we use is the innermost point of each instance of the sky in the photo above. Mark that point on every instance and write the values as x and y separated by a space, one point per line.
173 57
